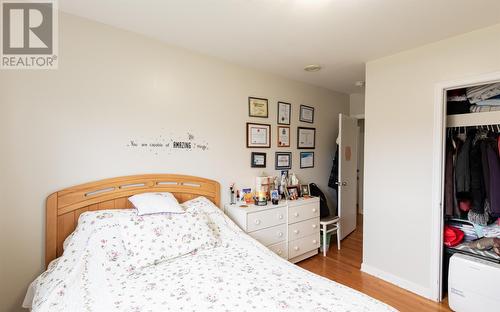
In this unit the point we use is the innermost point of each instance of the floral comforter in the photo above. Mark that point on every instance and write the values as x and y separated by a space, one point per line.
94 274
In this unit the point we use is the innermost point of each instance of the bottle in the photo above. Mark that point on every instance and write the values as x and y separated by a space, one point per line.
231 194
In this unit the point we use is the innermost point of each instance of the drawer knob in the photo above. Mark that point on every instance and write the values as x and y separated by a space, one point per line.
280 234
314 226
314 241
296 248
280 216
296 214
257 221
314 209
296 231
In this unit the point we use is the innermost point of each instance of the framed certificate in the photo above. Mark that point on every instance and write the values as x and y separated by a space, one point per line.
306 138
306 160
284 113
258 135
283 160
306 114
283 136
257 107
258 160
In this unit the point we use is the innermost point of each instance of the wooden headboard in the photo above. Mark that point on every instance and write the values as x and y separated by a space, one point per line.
64 207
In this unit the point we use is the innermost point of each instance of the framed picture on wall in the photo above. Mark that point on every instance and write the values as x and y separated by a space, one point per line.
283 136
306 114
283 160
306 138
257 107
284 113
258 135
306 160
258 160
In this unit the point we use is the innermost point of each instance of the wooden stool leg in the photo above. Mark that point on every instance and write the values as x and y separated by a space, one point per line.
324 240
338 236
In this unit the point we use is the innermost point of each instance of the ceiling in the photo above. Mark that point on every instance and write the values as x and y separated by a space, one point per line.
282 36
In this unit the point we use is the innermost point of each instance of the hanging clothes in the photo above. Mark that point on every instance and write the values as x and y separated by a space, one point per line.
477 188
494 179
463 177
334 174
498 144
448 181
483 144
472 176
457 211
463 167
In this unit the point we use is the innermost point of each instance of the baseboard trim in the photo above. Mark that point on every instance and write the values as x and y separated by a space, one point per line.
400 282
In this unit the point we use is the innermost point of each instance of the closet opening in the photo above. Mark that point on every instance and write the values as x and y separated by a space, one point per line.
466 187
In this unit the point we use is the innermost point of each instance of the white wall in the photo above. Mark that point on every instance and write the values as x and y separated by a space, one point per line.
357 105
398 150
72 125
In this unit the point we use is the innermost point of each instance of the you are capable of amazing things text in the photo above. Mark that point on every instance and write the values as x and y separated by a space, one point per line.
175 144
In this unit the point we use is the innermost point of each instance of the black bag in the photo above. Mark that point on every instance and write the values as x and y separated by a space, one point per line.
323 206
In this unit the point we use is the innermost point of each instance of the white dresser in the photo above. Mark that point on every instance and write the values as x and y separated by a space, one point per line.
303 228
290 229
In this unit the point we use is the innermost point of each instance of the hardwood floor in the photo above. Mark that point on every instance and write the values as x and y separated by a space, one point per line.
344 267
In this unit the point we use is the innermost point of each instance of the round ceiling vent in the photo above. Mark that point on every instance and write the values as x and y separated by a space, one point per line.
312 68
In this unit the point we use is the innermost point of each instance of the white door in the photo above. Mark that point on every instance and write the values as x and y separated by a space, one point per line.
348 165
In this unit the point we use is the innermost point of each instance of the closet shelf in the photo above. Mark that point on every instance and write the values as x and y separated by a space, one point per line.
473 119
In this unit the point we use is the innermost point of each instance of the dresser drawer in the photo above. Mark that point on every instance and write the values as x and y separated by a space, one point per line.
270 235
280 249
303 228
303 245
266 218
303 212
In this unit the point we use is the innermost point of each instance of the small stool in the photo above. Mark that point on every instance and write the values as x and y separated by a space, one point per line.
324 223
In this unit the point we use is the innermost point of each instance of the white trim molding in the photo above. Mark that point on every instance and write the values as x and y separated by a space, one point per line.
393 279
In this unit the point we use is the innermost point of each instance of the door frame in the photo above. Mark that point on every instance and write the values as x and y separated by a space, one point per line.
439 133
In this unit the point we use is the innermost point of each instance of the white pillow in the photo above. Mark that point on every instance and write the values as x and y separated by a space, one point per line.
151 203
156 238
204 204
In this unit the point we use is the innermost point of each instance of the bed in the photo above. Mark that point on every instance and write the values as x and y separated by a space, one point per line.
87 265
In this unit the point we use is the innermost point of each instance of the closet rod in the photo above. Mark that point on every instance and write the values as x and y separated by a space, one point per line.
493 128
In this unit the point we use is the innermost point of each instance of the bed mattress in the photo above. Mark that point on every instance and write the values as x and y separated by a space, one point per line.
238 275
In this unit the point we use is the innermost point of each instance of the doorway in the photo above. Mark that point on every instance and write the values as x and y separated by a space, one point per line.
351 173
440 124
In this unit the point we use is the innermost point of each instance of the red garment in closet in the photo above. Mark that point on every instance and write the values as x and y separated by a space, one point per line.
452 236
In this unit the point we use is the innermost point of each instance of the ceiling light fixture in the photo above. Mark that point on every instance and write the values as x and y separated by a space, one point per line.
312 68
